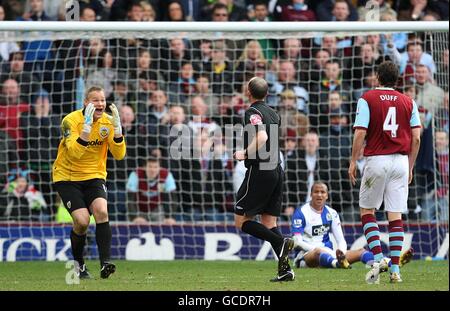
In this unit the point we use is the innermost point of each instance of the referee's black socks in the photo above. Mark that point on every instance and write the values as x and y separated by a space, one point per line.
277 232
103 238
261 232
77 242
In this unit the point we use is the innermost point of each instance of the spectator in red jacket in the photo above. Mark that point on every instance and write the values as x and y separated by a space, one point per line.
298 11
11 106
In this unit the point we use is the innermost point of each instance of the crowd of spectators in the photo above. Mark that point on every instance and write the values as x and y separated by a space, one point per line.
227 10
196 84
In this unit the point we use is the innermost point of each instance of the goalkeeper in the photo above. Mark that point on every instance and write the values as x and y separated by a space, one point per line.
312 224
79 174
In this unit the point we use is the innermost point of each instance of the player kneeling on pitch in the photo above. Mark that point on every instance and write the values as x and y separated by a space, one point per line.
312 224
79 174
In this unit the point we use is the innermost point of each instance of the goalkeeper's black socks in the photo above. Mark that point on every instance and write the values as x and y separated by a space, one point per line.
103 238
277 232
261 232
77 242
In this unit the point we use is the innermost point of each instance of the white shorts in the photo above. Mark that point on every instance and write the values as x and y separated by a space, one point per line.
385 177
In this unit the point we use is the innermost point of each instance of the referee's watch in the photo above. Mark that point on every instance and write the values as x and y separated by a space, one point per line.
246 153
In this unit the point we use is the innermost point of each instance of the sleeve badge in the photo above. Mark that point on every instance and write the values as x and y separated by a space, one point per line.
255 119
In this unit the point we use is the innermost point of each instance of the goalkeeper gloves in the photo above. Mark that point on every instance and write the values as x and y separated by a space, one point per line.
88 117
115 120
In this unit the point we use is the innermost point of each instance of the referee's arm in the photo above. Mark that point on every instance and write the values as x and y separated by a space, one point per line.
257 142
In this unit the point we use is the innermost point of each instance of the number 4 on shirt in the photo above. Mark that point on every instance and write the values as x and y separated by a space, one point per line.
390 122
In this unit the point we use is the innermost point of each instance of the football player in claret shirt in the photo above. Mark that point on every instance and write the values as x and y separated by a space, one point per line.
389 122
79 174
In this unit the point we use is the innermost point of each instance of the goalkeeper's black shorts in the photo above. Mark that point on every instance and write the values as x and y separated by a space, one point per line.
80 194
261 192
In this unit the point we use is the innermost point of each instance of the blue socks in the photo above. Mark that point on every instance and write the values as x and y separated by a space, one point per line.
327 261
367 257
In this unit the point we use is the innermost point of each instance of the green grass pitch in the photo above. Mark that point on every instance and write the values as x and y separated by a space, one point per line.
199 275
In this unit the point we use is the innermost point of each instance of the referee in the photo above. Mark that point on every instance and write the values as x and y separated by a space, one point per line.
261 191
79 174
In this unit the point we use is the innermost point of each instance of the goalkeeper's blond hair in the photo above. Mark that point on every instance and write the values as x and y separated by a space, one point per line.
94 88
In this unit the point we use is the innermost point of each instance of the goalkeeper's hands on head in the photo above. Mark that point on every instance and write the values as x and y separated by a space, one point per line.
115 120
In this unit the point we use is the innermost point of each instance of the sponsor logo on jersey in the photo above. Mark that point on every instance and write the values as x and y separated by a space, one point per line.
238 207
104 132
151 194
320 229
161 187
95 143
255 119
69 204
297 223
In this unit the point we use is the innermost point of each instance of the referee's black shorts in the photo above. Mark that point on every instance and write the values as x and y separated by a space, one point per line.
80 194
261 192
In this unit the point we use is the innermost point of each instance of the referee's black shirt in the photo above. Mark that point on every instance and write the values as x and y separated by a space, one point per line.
261 117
